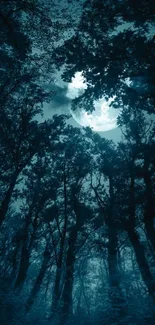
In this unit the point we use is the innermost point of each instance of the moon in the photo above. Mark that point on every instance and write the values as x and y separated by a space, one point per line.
103 118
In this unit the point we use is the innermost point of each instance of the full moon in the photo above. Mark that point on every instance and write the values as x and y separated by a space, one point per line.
103 118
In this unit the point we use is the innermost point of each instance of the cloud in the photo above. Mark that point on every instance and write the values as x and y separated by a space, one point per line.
59 98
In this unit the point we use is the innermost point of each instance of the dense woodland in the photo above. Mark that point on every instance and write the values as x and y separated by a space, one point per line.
77 230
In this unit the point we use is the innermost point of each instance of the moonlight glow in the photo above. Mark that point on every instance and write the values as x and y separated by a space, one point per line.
103 118
77 86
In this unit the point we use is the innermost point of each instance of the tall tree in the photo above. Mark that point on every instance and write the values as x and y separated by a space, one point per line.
107 165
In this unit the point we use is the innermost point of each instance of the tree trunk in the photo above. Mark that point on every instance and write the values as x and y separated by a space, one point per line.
25 254
115 291
114 275
38 281
24 265
6 201
137 245
69 277
57 290
142 261
149 213
14 261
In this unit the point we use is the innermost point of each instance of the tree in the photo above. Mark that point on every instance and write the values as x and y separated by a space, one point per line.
131 212
108 165
72 163
139 135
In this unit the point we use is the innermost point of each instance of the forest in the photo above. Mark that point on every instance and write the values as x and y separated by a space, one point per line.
77 210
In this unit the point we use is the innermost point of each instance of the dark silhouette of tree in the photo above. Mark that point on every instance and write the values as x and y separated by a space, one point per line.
38 282
108 164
